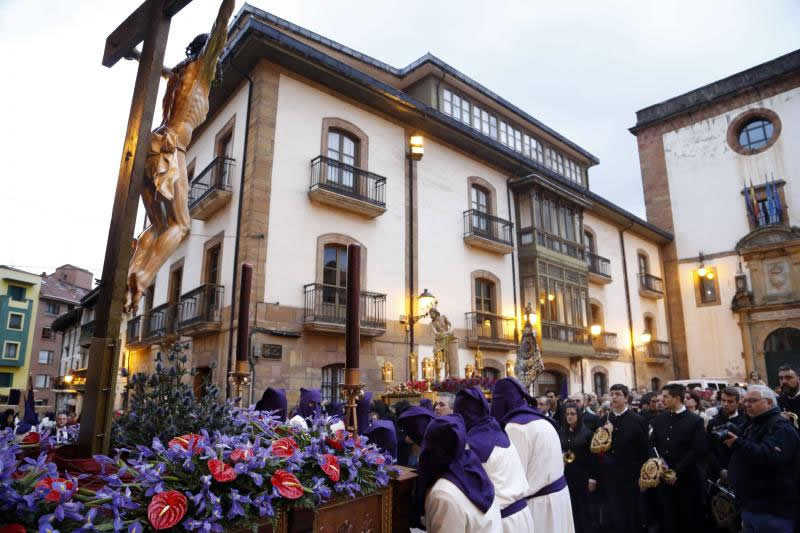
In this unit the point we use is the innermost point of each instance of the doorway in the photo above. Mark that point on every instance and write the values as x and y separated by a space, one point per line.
781 347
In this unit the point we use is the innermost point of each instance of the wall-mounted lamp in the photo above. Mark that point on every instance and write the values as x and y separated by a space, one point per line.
68 378
417 144
596 329
645 337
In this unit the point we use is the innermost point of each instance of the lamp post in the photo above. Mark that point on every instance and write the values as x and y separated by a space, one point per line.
416 149
425 301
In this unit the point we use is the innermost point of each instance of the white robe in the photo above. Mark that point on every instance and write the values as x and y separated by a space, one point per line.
508 476
448 510
539 449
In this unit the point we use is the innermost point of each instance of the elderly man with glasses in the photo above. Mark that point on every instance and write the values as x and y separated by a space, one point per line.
763 465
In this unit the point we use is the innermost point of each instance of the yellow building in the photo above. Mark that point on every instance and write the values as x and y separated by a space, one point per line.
19 297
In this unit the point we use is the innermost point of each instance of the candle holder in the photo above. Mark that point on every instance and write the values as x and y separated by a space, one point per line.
510 368
469 371
387 372
479 360
351 392
240 378
412 366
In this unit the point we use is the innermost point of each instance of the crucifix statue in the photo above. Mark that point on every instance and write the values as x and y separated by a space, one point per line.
165 191
153 166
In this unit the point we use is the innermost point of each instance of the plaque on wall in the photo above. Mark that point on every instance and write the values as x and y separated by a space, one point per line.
778 279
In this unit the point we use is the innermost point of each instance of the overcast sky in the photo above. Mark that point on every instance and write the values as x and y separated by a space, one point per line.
582 68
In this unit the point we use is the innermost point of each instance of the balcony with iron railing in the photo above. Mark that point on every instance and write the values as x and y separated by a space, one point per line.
200 310
650 286
490 330
605 345
488 232
159 322
87 332
211 189
344 186
658 351
326 305
133 331
599 268
566 339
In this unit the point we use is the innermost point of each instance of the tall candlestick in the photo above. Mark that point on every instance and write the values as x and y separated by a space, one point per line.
243 327
353 313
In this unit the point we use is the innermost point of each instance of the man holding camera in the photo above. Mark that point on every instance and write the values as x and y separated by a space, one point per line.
730 419
763 465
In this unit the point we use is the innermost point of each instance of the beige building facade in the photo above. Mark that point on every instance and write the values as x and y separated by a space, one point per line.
718 170
309 152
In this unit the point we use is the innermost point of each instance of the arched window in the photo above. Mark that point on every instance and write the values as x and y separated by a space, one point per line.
600 383
490 373
644 264
334 274
344 149
332 379
484 296
479 202
650 326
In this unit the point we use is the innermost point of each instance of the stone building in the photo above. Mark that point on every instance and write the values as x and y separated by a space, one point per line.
306 149
59 293
719 166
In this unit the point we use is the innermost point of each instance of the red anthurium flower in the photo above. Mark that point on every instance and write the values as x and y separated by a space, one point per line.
330 465
337 443
13 528
31 437
166 509
284 447
190 441
57 486
378 459
221 471
287 484
242 454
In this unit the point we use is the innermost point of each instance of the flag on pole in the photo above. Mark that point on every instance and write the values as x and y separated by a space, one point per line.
778 207
755 203
772 212
749 204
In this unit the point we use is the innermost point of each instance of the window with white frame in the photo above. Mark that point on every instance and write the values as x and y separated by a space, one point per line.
503 133
45 357
15 321
10 350
52 308
42 381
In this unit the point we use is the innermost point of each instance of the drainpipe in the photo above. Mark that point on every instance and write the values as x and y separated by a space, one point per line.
238 229
410 260
628 300
513 260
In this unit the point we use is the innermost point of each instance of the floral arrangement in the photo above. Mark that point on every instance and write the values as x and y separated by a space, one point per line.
453 385
198 481
409 388
163 404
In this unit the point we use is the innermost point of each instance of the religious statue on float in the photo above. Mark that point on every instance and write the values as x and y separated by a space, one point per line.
445 349
529 357
165 192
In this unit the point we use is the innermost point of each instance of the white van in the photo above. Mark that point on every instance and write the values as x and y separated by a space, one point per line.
712 384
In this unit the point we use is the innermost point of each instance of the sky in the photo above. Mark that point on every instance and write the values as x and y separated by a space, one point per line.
582 67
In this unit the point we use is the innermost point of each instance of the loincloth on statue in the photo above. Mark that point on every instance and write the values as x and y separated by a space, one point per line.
162 161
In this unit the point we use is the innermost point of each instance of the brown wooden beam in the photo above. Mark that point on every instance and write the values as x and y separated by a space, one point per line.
133 29
101 377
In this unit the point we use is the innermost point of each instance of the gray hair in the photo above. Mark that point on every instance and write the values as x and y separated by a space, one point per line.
764 392
446 397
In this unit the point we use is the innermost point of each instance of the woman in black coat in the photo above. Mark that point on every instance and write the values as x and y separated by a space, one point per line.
580 472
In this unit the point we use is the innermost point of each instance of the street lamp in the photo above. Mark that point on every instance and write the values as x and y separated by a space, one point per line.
417 144
596 329
426 301
645 337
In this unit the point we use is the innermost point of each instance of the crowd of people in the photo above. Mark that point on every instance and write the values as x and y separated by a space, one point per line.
519 463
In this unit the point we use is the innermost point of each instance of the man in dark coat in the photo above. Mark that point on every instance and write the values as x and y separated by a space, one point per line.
789 400
763 466
679 437
720 455
588 418
619 467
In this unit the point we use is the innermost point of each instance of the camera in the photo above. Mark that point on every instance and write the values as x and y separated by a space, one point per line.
721 431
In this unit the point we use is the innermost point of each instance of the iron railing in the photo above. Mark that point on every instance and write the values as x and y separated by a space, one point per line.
658 349
159 321
487 226
553 242
328 303
327 173
598 264
562 332
202 304
605 341
215 177
134 329
650 282
490 327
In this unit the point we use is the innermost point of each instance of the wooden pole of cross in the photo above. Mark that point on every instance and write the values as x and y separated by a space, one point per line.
149 23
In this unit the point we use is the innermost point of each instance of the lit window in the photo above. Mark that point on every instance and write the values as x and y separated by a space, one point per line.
756 133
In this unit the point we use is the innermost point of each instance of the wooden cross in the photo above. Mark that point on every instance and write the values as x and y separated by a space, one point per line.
149 23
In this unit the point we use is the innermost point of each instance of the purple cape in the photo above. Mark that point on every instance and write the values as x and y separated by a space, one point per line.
511 403
273 400
414 421
362 412
445 455
310 404
483 431
383 435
